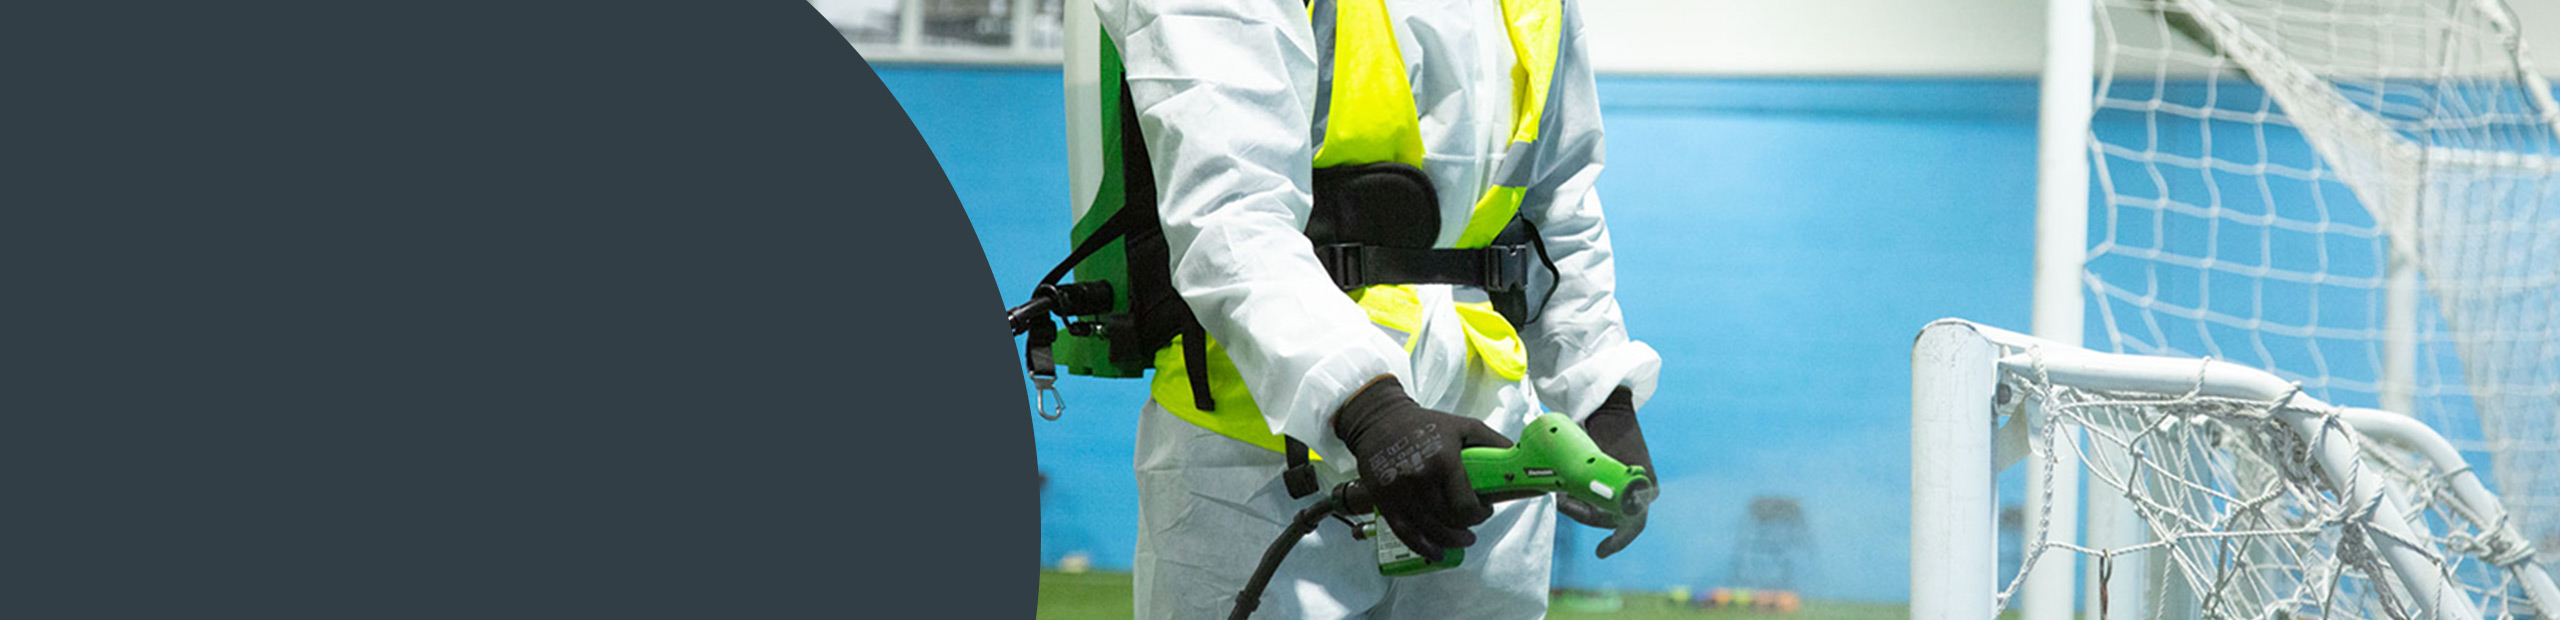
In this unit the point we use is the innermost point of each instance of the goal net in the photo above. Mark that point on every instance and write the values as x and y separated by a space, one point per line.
2359 196
2260 500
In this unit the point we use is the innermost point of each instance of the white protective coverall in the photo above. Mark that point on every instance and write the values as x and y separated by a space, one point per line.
1226 95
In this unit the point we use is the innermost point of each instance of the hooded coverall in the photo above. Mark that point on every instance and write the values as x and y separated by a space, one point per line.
1228 96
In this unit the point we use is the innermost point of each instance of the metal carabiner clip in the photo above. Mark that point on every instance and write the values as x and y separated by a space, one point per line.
1044 390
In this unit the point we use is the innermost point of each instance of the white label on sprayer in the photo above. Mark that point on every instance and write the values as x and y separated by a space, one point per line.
1602 490
1390 550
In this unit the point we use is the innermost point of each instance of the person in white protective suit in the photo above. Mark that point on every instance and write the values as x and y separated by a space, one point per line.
1240 103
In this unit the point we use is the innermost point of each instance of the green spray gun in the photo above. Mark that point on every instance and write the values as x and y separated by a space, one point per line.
1553 455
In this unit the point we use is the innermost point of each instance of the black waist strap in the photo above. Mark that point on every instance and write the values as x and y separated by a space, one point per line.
1494 269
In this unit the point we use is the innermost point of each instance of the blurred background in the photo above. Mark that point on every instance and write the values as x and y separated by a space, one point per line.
1795 188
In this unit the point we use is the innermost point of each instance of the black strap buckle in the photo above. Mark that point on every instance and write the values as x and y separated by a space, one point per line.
1506 268
1300 477
1344 261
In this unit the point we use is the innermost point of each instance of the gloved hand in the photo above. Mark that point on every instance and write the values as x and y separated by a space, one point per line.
1408 457
1613 427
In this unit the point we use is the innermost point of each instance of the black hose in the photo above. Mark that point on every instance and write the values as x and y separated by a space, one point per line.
1022 317
1306 521
1071 299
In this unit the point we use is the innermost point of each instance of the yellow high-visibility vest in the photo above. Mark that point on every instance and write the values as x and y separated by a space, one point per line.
1371 119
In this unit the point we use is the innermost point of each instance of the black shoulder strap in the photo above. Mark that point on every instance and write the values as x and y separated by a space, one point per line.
1120 225
1138 193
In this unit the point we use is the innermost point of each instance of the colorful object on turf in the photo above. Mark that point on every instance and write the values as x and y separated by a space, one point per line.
1747 599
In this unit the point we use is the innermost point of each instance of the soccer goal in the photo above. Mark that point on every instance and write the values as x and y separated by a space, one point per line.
2260 500
2360 198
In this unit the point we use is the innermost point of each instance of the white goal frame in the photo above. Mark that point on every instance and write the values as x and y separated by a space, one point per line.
1955 372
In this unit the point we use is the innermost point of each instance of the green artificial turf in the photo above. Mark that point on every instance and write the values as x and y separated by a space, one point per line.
1085 596
1103 595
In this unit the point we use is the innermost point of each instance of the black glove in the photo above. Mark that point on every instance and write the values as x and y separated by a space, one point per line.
1409 461
1613 427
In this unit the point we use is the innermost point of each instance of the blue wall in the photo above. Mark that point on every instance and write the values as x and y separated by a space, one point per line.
1780 241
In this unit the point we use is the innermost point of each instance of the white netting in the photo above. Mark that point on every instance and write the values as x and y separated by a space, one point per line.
2257 163
2477 558
2246 522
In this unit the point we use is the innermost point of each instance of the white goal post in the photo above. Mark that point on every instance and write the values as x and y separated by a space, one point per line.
2261 501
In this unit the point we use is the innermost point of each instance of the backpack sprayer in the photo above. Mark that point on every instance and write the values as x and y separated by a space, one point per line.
1553 456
